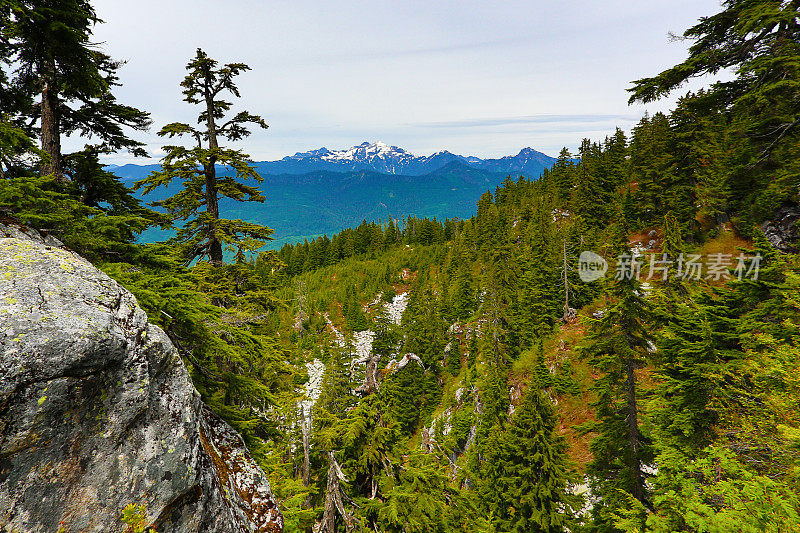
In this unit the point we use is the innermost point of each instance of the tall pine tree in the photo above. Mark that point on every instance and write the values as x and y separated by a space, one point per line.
204 233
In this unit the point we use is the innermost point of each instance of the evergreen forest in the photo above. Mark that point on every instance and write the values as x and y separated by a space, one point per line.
461 375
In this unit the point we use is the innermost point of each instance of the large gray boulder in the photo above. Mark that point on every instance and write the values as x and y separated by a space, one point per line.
97 411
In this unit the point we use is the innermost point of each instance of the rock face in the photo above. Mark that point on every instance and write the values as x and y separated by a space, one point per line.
97 411
782 230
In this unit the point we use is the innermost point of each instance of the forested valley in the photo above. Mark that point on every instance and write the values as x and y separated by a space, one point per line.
424 375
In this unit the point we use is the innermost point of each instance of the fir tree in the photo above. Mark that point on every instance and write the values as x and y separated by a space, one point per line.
463 301
540 300
526 483
413 501
203 232
759 41
690 364
618 345
50 42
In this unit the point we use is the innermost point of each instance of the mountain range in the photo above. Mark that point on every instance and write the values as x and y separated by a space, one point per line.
324 191
380 157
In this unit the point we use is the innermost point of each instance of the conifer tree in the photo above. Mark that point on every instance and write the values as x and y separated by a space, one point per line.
352 310
562 176
453 360
487 219
614 165
17 140
707 154
689 365
526 475
54 82
50 43
594 189
369 438
760 42
463 295
386 336
618 345
720 412
415 500
425 329
540 287
652 169
204 233
405 393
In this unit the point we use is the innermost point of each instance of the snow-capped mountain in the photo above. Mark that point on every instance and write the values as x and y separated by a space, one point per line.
376 156
383 158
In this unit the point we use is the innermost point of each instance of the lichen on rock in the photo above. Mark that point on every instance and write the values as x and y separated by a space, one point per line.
97 410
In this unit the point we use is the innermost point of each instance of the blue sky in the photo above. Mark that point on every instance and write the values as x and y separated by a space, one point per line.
476 78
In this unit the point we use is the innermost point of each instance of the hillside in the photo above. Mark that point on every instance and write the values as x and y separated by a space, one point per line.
448 337
610 346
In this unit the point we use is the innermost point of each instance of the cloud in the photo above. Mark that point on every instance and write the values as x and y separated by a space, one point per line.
529 119
483 78
396 53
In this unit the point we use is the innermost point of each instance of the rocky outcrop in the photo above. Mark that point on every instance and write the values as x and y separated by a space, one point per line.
782 231
97 411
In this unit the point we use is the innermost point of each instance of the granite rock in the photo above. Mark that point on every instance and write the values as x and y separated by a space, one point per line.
97 411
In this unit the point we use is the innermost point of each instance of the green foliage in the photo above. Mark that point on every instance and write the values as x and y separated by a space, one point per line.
524 474
367 239
701 382
50 47
461 423
759 107
15 146
716 492
97 233
415 501
690 364
238 370
135 517
617 345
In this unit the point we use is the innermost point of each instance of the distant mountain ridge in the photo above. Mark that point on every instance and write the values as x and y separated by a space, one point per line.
381 157
324 191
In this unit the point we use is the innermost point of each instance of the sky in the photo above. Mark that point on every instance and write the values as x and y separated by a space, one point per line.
472 77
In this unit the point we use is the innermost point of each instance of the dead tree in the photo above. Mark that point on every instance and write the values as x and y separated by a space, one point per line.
334 501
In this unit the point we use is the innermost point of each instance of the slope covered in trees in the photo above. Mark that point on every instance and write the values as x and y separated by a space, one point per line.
464 375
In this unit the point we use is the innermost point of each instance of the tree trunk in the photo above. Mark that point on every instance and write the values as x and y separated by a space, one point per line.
333 501
566 284
634 436
212 202
212 207
306 430
569 313
51 130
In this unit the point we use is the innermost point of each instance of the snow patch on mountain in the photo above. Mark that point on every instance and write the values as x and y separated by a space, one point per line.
397 307
312 389
316 371
367 152
377 156
362 345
